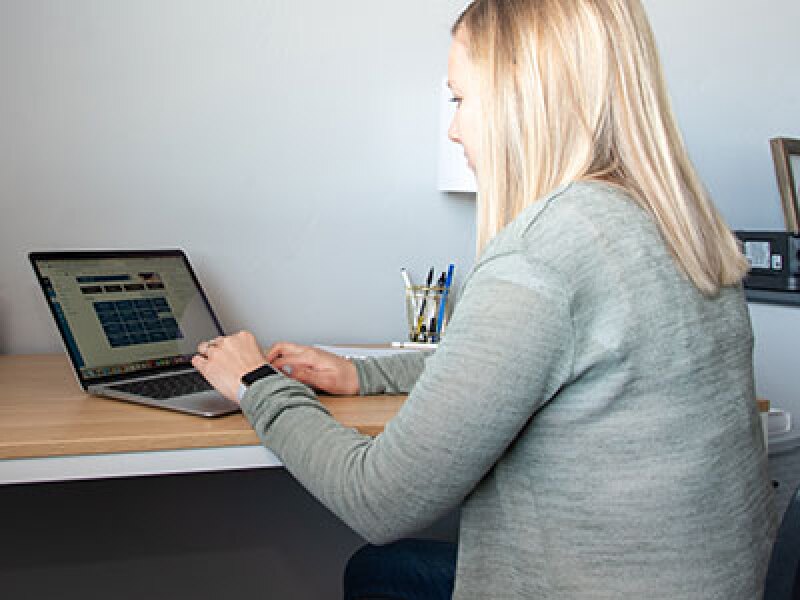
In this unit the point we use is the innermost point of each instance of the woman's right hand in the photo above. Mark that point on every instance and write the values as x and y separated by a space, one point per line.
314 367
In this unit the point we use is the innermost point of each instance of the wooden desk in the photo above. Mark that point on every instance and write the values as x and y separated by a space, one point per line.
50 430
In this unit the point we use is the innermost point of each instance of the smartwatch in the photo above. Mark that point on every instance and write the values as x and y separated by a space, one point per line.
261 372
250 378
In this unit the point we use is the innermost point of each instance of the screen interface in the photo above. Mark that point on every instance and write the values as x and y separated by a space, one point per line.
122 315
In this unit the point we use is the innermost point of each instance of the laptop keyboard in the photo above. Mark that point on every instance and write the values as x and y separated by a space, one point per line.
166 387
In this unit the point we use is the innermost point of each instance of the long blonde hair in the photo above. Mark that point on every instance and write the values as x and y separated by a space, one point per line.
574 90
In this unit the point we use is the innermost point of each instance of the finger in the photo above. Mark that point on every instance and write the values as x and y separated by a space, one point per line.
282 361
284 365
199 362
293 362
282 349
244 335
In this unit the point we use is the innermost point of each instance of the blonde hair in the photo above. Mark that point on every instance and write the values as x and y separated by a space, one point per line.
573 90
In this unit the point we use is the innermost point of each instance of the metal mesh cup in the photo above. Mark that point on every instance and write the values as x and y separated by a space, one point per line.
426 319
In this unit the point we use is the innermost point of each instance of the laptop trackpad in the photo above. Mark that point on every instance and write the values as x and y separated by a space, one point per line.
208 404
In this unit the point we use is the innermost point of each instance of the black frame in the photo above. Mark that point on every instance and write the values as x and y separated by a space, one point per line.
33 257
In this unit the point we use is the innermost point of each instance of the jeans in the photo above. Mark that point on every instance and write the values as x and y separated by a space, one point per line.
404 570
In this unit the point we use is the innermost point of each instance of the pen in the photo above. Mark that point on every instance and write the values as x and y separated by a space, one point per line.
448 282
406 278
433 329
432 335
409 288
424 301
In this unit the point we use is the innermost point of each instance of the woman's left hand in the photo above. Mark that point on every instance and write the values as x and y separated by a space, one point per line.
223 361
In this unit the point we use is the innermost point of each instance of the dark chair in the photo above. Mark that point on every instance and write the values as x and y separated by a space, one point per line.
783 575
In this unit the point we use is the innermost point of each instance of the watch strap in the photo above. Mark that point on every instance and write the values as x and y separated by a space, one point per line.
261 372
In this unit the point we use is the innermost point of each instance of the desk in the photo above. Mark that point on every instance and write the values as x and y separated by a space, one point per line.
50 430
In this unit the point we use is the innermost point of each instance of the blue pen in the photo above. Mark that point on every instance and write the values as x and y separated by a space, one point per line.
448 282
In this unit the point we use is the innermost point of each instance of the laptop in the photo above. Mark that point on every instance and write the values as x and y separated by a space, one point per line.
130 322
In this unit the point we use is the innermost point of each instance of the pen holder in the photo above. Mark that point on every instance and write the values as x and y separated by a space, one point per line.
428 310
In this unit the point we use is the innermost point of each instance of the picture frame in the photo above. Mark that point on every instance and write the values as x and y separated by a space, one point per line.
786 156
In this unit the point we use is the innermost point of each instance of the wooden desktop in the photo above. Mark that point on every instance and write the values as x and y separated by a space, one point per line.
51 430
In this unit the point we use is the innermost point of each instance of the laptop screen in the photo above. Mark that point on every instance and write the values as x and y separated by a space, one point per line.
125 313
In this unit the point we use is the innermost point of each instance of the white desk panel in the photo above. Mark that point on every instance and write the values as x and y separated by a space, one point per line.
134 464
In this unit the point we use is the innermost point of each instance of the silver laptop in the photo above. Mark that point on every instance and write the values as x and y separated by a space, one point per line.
130 322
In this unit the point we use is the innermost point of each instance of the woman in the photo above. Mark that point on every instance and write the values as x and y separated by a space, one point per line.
591 408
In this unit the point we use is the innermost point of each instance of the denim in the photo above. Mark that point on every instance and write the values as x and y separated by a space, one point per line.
405 570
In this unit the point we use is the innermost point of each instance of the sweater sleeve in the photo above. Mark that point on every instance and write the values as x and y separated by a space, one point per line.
507 351
395 374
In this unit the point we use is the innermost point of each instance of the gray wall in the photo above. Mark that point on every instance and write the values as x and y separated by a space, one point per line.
290 147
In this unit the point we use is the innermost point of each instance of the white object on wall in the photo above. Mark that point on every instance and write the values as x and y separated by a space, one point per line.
454 173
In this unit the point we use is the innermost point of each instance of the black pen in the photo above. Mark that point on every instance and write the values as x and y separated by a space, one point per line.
424 301
432 337
438 296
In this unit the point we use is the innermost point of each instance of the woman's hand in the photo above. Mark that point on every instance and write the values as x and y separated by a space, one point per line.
223 361
317 368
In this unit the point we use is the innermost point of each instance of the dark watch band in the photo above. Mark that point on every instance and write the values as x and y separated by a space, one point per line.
260 373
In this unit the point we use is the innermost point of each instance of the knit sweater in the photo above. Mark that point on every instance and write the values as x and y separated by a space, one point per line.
589 409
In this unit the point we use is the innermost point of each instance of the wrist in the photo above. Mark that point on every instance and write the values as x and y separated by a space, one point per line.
353 387
258 373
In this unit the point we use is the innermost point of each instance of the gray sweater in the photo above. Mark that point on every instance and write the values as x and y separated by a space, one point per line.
589 409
